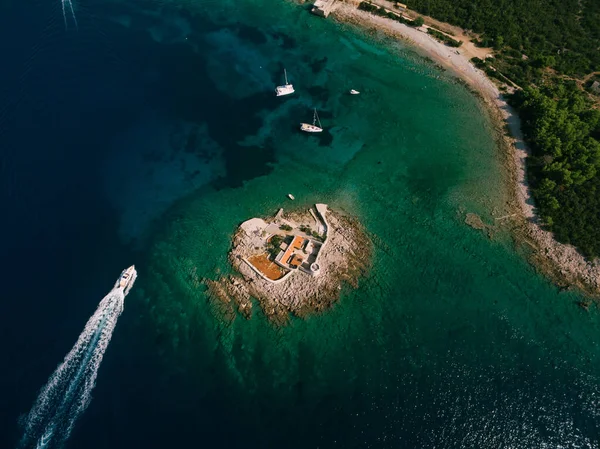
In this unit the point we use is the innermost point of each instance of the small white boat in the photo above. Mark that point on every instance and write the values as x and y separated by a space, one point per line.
286 89
354 92
127 278
308 128
291 197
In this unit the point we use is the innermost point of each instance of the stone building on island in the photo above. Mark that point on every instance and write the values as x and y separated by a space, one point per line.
278 248
301 253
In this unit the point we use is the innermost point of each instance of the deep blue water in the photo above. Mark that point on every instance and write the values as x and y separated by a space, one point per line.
65 97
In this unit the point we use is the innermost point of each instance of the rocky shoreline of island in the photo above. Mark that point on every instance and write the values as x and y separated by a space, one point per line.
562 263
292 264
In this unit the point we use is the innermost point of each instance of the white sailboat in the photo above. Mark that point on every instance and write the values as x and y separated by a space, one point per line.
286 89
307 127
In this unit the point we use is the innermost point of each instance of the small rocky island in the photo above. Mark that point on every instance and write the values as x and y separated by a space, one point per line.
293 263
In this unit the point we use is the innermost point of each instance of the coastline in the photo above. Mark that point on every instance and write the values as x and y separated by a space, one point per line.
562 263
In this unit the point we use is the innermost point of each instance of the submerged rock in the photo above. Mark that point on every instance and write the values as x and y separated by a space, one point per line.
475 221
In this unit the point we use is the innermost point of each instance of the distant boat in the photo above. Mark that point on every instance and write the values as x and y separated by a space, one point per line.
354 92
286 89
291 197
308 128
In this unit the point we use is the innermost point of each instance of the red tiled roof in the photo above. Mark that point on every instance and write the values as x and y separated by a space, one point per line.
296 244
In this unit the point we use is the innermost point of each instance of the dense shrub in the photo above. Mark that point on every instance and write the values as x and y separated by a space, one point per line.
382 12
568 30
564 169
442 37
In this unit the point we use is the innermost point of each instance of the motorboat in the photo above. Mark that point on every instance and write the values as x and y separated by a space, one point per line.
291 197
308 128
286 89
354 92
127 278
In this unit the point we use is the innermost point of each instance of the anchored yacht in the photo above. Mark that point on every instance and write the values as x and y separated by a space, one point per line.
286 89
127 278
308 128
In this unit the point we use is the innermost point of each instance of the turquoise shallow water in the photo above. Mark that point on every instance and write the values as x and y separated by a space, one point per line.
453 340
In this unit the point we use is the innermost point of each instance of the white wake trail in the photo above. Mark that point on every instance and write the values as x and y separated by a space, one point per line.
64 11
68 391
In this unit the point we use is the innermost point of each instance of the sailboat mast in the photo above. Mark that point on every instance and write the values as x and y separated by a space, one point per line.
317 119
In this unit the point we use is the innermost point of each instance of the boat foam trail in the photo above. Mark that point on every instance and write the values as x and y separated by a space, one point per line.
64 11
68 391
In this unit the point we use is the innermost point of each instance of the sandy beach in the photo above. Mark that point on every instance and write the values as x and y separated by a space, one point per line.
562 263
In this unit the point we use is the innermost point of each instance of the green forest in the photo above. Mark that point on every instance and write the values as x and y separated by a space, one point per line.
564 168
566 32
546 47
